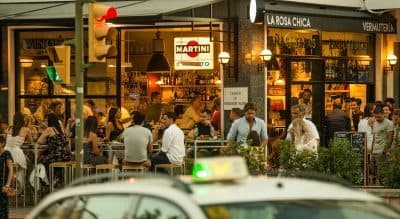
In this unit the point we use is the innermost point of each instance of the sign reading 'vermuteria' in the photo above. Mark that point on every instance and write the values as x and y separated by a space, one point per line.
235 97
193 53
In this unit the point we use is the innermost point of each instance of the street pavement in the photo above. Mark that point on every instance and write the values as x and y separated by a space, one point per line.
19 213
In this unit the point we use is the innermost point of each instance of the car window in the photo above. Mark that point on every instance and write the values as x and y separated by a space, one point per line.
104 206
310 209
155 208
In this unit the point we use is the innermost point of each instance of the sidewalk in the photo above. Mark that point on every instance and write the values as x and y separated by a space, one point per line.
19 213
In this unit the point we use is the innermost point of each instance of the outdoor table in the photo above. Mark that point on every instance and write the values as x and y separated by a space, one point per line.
206 143
118 149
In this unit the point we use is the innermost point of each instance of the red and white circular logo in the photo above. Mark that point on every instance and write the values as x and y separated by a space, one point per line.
194 44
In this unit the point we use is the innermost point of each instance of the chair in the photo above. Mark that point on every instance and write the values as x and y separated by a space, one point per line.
16 168
171 167
65 167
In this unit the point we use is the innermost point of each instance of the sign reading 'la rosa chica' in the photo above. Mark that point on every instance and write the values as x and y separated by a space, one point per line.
193 53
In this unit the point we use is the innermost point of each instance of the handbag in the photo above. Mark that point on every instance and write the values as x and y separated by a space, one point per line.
10 191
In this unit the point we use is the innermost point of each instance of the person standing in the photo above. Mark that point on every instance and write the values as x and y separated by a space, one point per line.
153 111
241 128
336 121
302 138
297 111
356 113
382 130
396 129
172 143
364 126
138 142
6 176
307 103
216 116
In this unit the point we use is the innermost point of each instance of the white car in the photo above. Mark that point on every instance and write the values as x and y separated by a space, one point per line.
219 188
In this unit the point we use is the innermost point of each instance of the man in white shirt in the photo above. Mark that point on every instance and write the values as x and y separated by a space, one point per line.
173 143
138 142
298 111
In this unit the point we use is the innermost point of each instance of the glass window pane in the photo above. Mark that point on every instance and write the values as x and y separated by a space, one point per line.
156 208
101 79
302 94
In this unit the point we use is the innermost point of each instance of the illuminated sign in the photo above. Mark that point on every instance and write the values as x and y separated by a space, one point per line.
193 53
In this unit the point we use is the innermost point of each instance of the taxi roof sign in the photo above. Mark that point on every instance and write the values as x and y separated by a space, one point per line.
219 169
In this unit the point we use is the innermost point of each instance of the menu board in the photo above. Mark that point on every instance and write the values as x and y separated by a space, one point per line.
358 142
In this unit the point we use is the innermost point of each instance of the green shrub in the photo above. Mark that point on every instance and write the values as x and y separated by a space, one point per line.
389 169
254 156
336 160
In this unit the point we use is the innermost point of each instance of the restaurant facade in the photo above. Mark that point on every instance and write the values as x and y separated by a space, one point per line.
318 55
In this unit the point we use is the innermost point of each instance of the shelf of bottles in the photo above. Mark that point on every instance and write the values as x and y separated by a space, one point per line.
347 69
337 91
185 85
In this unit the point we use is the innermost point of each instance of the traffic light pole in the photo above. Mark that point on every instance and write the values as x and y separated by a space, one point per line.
79 69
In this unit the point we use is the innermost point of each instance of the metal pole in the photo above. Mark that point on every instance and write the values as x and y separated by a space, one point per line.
79 69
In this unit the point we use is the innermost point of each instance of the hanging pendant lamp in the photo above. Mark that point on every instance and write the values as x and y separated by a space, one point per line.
158 62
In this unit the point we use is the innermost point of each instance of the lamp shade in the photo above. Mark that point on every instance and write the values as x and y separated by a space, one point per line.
158 62
266 55
224 57
392 59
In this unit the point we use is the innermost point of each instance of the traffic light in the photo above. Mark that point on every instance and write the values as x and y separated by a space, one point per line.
99 32
61 58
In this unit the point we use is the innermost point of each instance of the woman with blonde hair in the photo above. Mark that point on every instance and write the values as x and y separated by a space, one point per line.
302 137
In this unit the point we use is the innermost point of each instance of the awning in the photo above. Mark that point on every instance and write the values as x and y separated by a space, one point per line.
369 4
61 9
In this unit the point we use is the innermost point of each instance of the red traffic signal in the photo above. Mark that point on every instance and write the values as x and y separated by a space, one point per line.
99 32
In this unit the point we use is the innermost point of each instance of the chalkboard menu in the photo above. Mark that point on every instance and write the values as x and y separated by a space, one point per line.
358 142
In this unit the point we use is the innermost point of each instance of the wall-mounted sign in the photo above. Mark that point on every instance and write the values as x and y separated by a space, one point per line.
331 23
193 53
235 97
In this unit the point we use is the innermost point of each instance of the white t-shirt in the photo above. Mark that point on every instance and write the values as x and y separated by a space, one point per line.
311 127
136 139
173 144
363 126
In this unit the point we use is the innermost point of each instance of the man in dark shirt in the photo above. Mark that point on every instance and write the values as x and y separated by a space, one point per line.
153 111
356 113
337 121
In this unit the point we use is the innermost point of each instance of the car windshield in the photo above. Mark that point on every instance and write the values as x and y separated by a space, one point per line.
310 209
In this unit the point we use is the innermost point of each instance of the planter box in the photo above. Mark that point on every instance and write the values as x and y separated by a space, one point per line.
391 196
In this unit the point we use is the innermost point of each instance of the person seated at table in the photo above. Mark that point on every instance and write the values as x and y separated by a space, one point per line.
58 149
17 134
203 131
172 145
114 126
6 176
91 150
204 128
138 142
253 139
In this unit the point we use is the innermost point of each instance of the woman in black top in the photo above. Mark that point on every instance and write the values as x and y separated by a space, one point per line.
114 126
6 175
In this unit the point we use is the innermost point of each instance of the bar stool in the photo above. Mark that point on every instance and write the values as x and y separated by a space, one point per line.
106 167
65 167
16 168
171 167
136 168
85 167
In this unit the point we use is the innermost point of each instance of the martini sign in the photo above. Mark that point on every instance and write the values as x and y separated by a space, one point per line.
193 53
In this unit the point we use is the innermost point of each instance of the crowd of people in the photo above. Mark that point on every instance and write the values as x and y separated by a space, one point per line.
379 120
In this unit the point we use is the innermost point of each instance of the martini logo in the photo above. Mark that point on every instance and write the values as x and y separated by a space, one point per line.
193 48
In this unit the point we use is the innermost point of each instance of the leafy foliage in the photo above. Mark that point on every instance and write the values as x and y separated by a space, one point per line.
254 156
389 169
336 160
